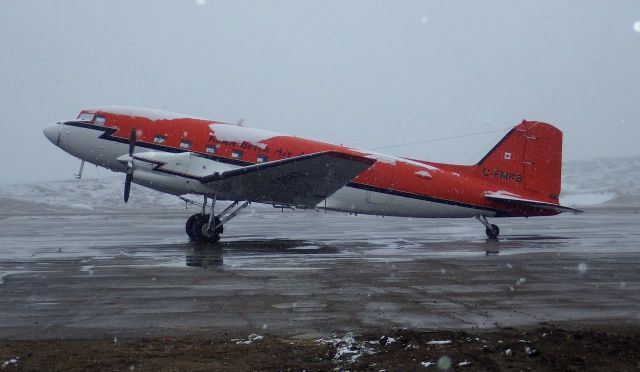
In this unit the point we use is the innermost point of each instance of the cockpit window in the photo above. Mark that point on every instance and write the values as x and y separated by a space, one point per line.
99 120
85 116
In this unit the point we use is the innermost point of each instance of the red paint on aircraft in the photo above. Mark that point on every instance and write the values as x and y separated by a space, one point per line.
526 162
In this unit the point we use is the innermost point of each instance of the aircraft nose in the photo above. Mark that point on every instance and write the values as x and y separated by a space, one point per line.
52 132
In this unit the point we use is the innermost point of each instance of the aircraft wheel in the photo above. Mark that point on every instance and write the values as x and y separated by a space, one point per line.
493 232
200 230
189 225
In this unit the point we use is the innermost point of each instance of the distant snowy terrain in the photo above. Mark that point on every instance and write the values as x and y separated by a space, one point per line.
594 181
585 182
91 194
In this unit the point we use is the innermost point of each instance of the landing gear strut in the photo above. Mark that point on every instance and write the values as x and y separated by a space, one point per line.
203 227
491 230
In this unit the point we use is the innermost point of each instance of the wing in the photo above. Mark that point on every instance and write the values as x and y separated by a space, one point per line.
302 181
518 200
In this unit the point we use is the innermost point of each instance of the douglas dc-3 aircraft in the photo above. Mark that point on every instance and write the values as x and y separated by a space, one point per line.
181 154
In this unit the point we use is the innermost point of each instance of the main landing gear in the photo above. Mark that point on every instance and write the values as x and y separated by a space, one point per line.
491 230
207 227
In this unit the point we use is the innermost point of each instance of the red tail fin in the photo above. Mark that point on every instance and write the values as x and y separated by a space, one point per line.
528 157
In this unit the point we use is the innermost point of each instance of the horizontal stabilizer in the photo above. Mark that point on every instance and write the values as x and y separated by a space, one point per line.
302 181
518 200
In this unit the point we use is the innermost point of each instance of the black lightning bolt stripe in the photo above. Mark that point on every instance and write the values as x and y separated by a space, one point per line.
109 131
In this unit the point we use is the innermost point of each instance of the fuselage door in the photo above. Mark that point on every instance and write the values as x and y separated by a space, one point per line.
375 198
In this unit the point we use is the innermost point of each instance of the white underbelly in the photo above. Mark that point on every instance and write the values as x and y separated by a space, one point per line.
355 200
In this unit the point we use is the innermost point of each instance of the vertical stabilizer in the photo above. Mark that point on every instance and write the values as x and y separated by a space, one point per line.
528 157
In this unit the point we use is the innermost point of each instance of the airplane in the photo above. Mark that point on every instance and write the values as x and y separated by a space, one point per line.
182 154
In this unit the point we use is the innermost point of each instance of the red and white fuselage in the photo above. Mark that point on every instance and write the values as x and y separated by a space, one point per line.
180 154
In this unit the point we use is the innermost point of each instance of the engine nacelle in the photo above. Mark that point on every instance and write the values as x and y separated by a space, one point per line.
176 174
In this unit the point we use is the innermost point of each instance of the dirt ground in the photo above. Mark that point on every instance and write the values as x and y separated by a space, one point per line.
544 348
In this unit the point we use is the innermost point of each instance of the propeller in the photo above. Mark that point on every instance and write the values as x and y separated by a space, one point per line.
129 178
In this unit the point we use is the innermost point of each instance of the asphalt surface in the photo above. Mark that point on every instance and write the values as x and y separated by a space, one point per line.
308 274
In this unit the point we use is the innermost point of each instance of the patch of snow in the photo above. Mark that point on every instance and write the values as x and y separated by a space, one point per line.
501 194
387 340
235 133
423 174
390 159
348 347
436 342
592 180
586 199
252 337
419 164
98 194
427 364
412 346
508 352
465 363
151 114
13 361
382 158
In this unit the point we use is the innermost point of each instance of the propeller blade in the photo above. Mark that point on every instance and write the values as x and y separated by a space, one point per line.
129 178
127 185
132 141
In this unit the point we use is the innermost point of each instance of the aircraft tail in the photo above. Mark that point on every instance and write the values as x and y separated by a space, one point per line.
529 157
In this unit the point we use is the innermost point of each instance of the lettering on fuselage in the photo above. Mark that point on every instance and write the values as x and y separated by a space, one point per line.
502 175
280 152
250 146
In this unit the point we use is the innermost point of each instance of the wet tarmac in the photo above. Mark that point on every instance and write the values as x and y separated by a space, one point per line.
308 274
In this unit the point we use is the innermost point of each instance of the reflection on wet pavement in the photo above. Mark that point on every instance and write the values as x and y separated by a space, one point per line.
311 274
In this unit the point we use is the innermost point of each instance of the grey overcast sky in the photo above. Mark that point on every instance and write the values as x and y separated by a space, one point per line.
364 73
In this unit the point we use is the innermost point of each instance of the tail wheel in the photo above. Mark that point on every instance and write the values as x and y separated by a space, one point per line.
493 232
200 229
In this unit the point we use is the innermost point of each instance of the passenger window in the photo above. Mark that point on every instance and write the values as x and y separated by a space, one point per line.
185 144
211 149
99 120
262 159
159 138
236 154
